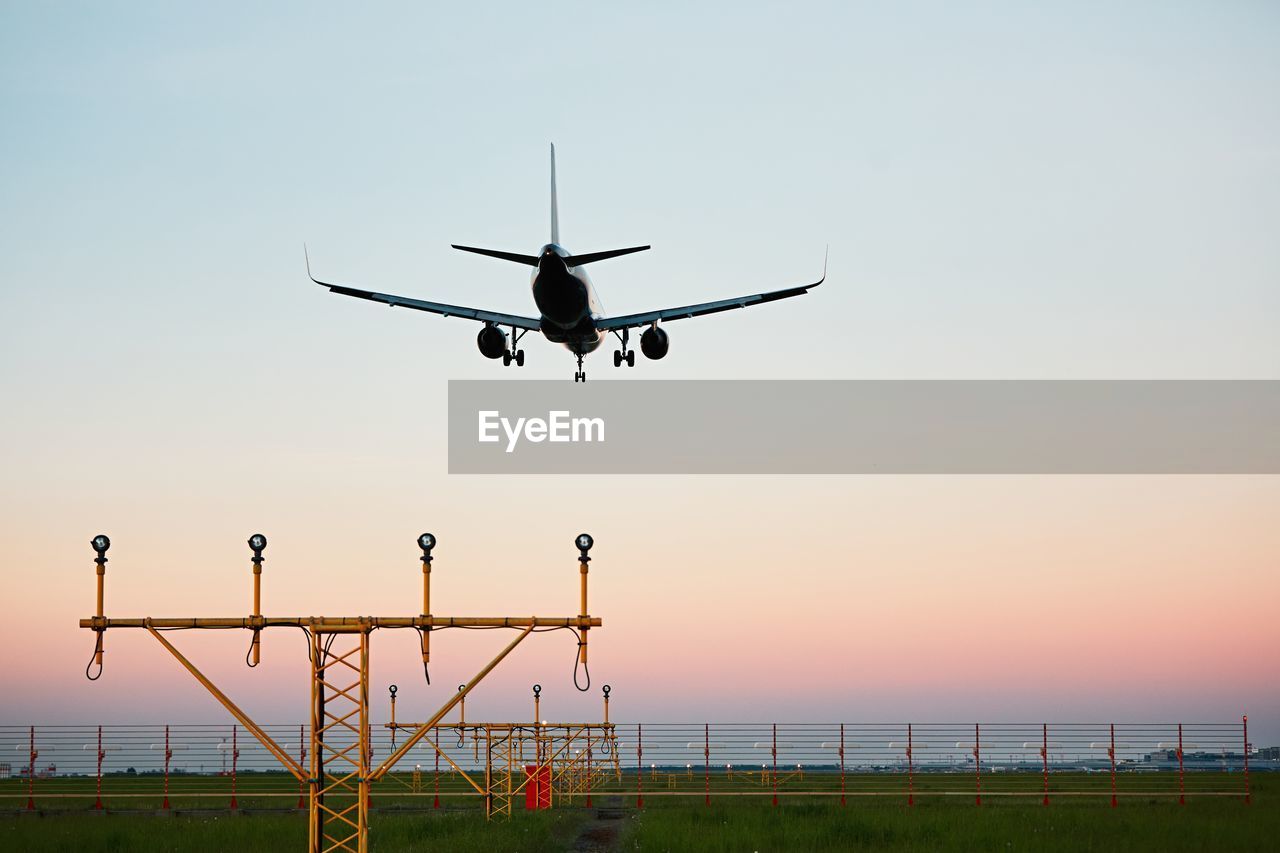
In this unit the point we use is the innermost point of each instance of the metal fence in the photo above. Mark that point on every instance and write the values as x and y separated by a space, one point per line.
159 767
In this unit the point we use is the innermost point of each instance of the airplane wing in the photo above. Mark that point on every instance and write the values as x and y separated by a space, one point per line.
631 321
495 317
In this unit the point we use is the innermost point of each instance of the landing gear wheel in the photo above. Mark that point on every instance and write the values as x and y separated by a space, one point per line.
625 355
506 359
581 375
519 358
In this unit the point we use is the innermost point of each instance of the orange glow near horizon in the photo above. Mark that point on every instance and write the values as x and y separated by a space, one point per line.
886 598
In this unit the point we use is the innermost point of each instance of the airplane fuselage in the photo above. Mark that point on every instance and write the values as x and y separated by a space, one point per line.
567 302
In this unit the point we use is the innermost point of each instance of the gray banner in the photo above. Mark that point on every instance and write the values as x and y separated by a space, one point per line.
864 427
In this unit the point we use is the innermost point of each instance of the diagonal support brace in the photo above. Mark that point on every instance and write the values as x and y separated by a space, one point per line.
447 707
254 729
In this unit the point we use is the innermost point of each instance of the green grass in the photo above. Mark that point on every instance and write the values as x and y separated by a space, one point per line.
677 823
935 824
464 831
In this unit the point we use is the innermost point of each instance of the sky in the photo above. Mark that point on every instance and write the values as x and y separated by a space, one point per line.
1075 190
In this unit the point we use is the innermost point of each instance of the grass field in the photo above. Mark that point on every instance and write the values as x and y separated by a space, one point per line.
677 823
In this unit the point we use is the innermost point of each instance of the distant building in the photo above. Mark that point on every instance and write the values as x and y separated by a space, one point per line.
41 772
5 770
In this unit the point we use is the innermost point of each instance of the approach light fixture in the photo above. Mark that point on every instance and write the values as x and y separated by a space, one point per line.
101 543
584 543
426 542
257 543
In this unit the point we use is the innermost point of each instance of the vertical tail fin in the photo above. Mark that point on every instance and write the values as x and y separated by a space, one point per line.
555 209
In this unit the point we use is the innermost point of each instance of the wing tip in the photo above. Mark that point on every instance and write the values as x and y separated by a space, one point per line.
306 257
825 254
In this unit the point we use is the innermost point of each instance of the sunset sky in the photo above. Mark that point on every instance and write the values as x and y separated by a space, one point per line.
1007 192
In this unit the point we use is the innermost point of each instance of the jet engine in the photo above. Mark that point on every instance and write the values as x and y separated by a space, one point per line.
492 342
654 343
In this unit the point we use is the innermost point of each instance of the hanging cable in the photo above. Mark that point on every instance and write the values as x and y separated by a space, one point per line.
253 641
577 662
97 650
306 633
426 673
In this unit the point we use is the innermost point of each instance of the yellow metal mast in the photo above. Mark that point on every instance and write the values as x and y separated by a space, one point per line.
341 770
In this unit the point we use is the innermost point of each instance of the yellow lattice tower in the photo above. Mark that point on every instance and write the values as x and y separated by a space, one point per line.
341 770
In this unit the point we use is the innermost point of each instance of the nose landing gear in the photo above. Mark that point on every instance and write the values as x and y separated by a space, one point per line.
581 375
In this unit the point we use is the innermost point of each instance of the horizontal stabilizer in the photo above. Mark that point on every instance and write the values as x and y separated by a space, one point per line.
592 257
527 260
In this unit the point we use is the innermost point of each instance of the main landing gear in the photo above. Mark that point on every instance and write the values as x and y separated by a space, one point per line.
516 355
624 355
581 375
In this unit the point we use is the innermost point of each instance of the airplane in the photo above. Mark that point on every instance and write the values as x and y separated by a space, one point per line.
569 310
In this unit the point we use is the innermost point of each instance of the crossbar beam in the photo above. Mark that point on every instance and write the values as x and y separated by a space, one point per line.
339 624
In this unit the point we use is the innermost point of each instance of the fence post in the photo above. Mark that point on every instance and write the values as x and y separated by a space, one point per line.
842 789
168 754
235 754
1247 795
1112 754
590 778
775 764
1044 757
977 759
706 762
97 804
302 762
1182 782
911 791
639 766
31 773
435 801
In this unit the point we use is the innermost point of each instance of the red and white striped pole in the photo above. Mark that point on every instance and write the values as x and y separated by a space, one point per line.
775 764
977 759
706 762
1044 757
98 802
911 790
1182 782
639 766
31 773
1248 797
1112 754
842 789
235 754
168 754
435 800
302 762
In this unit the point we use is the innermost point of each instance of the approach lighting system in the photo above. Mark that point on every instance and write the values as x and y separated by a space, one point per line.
341 769
584 543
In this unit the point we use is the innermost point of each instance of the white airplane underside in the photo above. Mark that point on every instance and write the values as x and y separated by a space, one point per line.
569 310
